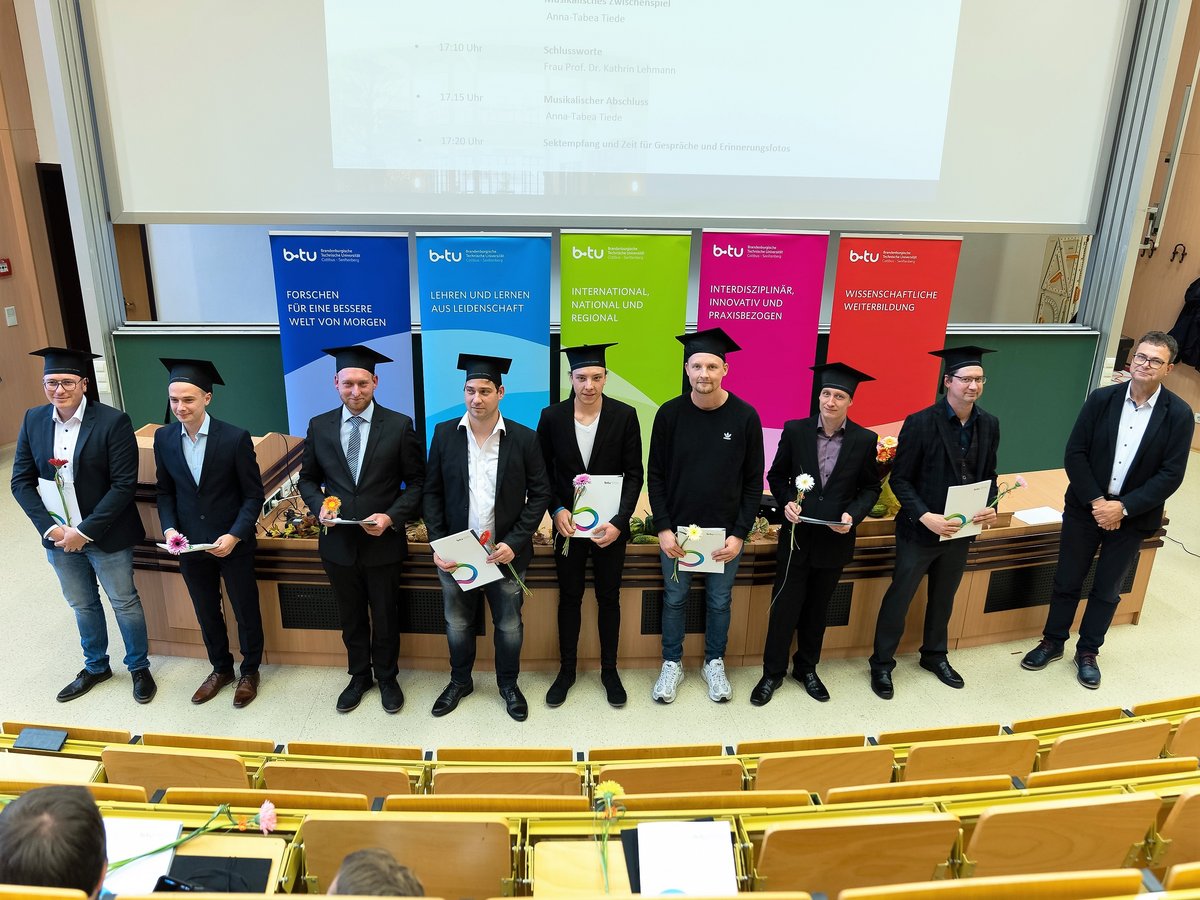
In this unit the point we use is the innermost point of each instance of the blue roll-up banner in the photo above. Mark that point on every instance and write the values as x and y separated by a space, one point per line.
490 295
334 290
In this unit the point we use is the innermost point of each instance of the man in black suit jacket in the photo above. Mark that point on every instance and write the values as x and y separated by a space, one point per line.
210 490
96 454
486 474
952 442
839 456
1126 455
370 459
597 435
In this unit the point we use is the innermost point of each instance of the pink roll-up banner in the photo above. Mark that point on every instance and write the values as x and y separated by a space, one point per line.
765 291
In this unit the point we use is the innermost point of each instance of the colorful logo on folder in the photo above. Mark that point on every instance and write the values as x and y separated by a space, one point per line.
586 511
689 561
474 573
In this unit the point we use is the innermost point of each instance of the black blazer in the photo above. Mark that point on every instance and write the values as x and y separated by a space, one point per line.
522 488
106 474
390 480
927 464
617 451
228 499
853 488
1157 469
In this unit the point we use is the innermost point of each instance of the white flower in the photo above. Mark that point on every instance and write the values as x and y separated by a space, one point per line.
889 441
694 532
805 483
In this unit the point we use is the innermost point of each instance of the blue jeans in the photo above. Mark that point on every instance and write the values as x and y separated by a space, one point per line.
505 599
78 573
718 595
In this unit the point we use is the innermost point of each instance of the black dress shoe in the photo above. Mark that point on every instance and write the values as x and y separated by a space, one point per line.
557 695
514 702
881 684
391 695
945 673
1089 670
83 683
765 690
144 687
1041 656
448 699
813 684
613 689
352 696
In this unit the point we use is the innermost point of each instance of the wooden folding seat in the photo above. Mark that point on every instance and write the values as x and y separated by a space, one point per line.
673 751
819 770
1112 772
21 892
1042 886
790 745
1170 705
505 754
1104 832
713 800
675 777
101 790
335 777
508 780
1182 877
75 732
1107 715
831 854
157 768
488 803
946 733
254 797
1177 839
912 790
1011 755
43 769
209 742
355 751
1185 741
1125 743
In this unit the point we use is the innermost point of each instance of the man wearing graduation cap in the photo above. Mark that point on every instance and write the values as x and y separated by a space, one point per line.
210 490
954 441
705 468
370 459
95 525
486 474
591 434
840 458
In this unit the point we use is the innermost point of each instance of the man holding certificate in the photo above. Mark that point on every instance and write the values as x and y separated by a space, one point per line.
486 476
950 444
705 475
592 445
825 478
362 471
75 474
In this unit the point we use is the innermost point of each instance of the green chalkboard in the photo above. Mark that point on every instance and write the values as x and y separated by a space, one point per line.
250 364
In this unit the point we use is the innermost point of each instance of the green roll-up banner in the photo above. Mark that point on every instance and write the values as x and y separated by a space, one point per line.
629 287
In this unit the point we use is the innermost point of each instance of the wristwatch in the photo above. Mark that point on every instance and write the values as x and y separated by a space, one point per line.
1124 511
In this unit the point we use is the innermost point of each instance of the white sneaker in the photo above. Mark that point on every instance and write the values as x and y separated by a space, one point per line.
719 689
668 682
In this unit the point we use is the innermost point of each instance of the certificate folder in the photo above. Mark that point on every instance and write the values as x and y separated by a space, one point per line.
473 568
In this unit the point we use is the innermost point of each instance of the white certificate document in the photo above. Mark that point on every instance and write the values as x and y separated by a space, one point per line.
473 568
962 502
129 836
686 858
699 552
599 502
194 548
53 502
1039 515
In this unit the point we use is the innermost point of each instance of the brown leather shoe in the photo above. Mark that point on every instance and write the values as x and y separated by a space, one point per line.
211 686
247 690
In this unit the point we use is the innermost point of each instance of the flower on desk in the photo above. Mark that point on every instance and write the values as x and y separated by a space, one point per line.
265 819
606 810
580 481
486 540
177 543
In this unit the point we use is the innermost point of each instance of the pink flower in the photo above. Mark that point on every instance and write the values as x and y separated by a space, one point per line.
268 821
177 543
582 479
1021 482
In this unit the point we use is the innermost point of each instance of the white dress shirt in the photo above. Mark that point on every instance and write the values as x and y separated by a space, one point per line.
66 437
364 429
1130 432
193 450
585 436
482 462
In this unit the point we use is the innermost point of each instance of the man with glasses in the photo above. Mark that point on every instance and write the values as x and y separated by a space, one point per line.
954 441
75 475
1126 455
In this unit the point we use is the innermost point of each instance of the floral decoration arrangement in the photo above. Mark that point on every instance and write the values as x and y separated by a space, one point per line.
885 457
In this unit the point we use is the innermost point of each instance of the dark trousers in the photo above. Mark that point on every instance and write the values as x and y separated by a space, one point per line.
1081 538
508 631
607 565
368 599
202 573
800 606
944 563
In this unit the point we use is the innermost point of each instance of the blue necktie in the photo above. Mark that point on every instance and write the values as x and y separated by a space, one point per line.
353 446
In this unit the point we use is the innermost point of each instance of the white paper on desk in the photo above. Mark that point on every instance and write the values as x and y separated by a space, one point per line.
599 502
1039 515
192 548
48 491
686 858
964 500
128 837
699 552
473 568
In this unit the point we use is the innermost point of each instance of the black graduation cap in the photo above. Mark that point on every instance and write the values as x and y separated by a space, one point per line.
489 367
711 340
61 361
200 372
586 355
357 357
841 376
958 357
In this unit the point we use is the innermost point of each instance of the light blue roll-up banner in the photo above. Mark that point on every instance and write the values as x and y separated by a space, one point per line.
486 294
335 290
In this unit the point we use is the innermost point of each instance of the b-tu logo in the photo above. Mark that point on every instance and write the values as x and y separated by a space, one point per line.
865 256
728 250
302 255
587 253
445 256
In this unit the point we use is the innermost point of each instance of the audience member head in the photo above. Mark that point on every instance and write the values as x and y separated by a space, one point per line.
53 837
374 872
